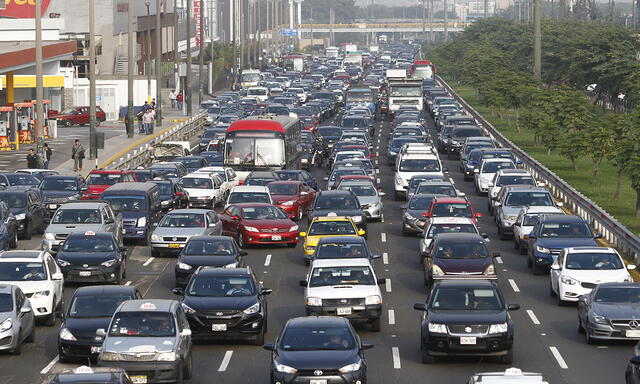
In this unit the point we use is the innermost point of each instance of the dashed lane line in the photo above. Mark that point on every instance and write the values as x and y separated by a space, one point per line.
385 258
53 362
513 285
396 357
556 354
267 261
149 261
383 237
387 284
533 317
225 361
499 260
392 317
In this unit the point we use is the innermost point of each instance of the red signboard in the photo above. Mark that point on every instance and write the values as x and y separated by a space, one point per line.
22 9
197 8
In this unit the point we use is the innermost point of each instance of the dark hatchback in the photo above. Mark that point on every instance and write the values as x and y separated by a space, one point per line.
466 318
207 251
92 258
29 210
260 178
57 190
90 308
225 303
341 247
413 218
172 195
318 350
338 203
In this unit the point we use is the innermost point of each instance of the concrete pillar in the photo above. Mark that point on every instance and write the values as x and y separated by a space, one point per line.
10 91
290 14
299 4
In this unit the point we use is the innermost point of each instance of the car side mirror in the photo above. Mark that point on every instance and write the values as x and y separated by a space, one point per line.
178 291
59 314
420 306
377 256
212 225
382 194
598 235
84 188
366 345
382 281
462 194
404 206
124 249
185 332
234 217
495 254
631 267
497 204
109 220
101 332
540 184
57 276
555 267
516 224
479 214
484 236
304 193
303 283
26 308
476 170
266 291
361 232
302 234
243 253
269 347
445 169
513 307
560 204
532 236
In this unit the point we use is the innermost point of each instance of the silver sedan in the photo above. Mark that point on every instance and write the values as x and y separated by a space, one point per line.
17 321
178 226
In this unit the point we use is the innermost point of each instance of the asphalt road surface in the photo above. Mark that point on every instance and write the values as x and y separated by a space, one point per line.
546 336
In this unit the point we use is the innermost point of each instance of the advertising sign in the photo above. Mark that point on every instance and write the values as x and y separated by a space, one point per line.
21 9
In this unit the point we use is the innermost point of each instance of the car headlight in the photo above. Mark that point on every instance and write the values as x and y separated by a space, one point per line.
65 334
142 222
21 216
109 263
627 279
398 180
568 280
252 309
356 219
251 229
288 203
41 294
490 270
437 328
63 263
109 356
6 325
498 328
72 197
409 216
314 301
167 356
599 319
187 309
351 367
49 236
437 271
184 266
166 202
231 265
510 217
286 369
293 228
372 300
542 249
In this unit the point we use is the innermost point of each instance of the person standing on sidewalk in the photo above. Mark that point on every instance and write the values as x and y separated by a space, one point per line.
77 154
172 97
148 121
47 155
140 115
180 100
32 160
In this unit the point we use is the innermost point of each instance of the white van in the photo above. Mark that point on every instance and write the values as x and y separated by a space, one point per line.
411 164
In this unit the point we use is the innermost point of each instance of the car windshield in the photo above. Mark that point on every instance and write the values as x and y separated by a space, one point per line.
515 180
343 275
22 179
76 216
337 202
341 172
249 197
121 203
142 324
14 200
398 142
168 172
262 213
332 250
283 189
420 203
58 184
221 286
284 175
354 123
317 338
22 271
464 299
191 163
431 189
103 178
6 302
96 306
419 165
593 261
208 247
531 219
362 190
329 131
88 244
323 228
466 132
566 230
165 188
261 181
183 220
521 199
461 249
452 210
450 228
495 166
617 295
416 181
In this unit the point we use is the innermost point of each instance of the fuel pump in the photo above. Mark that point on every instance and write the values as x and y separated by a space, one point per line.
25 120
6 128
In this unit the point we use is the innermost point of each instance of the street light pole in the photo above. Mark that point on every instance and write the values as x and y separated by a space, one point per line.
93 142
147 70
157 66
187 86
201 53
537 39
39 134
131 68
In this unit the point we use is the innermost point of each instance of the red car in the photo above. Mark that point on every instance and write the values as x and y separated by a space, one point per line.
98 181
293 197
452 207
258 224
78 116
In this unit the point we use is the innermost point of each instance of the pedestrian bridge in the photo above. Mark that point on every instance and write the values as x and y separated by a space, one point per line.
452 26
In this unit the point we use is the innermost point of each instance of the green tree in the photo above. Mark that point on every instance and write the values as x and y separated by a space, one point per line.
601 141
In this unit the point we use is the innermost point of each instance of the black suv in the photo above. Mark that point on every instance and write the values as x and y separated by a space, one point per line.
338 203
207 251
29 210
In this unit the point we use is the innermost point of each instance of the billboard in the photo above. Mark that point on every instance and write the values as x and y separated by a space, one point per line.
21 9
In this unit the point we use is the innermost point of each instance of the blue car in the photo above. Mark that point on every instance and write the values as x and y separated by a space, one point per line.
551 234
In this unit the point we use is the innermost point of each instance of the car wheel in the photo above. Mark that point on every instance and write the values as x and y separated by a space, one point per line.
28 230
188 368
50 320
426 357
508 358
147 239
529 262
552 293
259 340
501 234
516 244
523 250
375 325
13 242
180 374
67 123
559 301
580 327
32 336
588 335
241 243
18 349
404 231
299 214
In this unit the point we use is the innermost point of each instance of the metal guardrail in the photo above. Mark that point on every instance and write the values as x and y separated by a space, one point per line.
615 233
140 154
452 24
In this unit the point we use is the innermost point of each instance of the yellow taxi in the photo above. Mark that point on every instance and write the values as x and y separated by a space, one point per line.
324 226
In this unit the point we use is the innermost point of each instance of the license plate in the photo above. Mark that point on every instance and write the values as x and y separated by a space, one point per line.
316 381
633 333
343 311
219 327
468 340
96 349
138 379
276 237
52 206
174 245
85 273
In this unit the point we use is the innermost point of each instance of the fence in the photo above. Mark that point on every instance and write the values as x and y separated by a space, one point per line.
616 234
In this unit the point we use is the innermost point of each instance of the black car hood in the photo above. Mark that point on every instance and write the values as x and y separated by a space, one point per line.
17 211
90 258
418 213
132 214
85 328
48 195
467 317
317 359
231 302
209 261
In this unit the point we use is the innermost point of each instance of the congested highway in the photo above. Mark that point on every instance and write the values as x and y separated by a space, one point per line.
546 335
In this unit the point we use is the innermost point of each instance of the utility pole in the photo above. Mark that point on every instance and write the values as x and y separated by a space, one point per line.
431 21
187 86
157 66
39 132
232 30
147 69
424 20
176 52
446 21
201 53
537 39
93 142
131 64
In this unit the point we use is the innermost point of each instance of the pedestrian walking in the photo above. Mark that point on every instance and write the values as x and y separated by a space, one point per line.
47 155
148 119
172 97
77 154
140 115
153 103
180 99
32 160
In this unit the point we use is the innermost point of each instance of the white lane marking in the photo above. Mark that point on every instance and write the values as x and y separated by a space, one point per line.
128 283
387 284
377 171
558 356
267 261
378 180
383 237
396 357
392 317
534 318
499 260
149 260
385 258
514 285
53 362
225 361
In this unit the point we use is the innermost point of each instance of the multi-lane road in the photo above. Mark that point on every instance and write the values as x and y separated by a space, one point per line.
546 338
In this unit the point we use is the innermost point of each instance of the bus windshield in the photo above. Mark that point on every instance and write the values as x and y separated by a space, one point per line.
251 77
399 91
254 151
359 96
